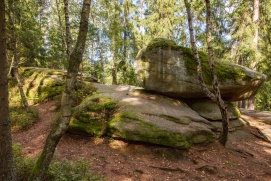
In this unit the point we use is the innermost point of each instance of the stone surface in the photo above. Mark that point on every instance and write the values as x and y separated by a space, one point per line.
130 113
210 111
168 69
155 119
234 125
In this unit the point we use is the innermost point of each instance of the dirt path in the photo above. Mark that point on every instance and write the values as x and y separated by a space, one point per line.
33 139
246 157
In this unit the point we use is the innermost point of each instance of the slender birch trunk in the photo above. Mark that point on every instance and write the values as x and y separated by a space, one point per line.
15 54
219 101
216 96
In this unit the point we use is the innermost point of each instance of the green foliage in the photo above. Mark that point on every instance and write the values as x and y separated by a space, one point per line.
23 164
22 119
64 170
263 98
118 29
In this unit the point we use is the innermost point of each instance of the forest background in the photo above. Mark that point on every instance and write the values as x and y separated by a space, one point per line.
119 29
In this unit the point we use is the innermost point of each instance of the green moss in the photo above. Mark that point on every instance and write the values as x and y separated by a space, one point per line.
91 127
129 126
147 132
235 109
182 120
223 70
38 165
93 115
162 43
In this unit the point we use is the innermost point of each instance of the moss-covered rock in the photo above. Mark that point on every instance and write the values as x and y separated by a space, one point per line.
169 69
91 117
210 111
156 130
41 84
155 119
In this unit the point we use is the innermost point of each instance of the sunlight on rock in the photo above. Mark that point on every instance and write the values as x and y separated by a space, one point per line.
132 100
122 88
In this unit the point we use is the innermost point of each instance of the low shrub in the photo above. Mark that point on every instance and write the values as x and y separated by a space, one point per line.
64 170
22 119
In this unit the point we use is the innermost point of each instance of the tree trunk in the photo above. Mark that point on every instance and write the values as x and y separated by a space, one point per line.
102 59
64 46
62 124
196 55
15 54
115 49
68 30
256 12
216 97
219 101
11 65
7 167
114 70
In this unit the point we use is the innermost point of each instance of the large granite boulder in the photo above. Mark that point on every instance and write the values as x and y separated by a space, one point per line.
124 112
169 69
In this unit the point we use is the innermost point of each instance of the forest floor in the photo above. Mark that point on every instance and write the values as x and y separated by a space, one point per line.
247 155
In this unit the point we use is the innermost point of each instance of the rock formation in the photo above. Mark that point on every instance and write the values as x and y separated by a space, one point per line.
166 68
135 114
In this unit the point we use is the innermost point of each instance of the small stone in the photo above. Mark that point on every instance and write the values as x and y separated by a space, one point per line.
208 169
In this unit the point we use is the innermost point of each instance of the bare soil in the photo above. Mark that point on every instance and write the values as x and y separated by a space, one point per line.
247 155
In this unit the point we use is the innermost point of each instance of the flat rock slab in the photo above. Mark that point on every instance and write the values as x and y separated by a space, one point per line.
155 119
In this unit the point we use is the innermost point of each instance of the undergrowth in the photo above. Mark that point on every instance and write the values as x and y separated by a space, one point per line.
65 170
22 119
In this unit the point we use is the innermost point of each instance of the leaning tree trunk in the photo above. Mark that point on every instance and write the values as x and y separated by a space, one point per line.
62 124
216 96
15 54
7 167
219 101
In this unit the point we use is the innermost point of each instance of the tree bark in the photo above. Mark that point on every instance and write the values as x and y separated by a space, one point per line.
256 14
62 124
216 96
7 167
68 30
196 55
64 46
219 101
102 58
114 48
15 54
